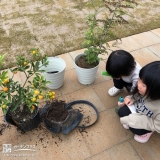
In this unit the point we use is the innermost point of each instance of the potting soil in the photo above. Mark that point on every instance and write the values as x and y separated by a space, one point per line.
57 112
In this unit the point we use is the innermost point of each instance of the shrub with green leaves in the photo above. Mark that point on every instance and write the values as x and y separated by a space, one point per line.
106 16
15 94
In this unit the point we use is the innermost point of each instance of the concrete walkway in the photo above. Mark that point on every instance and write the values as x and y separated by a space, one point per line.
107 139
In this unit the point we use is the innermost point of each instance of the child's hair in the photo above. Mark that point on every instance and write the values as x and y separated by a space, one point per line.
120 63
150 75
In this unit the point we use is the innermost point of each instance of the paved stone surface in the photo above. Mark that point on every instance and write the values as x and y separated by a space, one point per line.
107 139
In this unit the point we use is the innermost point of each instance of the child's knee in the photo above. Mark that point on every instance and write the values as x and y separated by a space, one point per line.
124 111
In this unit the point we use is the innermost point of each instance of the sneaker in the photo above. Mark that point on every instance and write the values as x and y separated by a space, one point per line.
125 126
114 91
142 138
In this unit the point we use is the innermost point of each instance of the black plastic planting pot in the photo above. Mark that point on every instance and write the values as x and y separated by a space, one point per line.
27 125
66 126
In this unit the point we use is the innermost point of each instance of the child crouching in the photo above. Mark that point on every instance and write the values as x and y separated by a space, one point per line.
124 70
144 118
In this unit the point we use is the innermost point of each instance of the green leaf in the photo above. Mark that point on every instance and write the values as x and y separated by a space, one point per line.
26 67
1 57
30 72
4 74
13 70
104 73
31 110
1 60
9 97
121 12
4 111
43 88
32 64
41 71
15 105
37 66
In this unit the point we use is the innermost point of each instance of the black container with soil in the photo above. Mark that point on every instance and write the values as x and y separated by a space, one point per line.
23 118
56 118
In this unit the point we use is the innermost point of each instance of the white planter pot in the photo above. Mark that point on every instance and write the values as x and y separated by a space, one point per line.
85 76
56 79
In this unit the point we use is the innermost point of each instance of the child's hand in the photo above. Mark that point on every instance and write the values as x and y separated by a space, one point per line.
127 101
120 104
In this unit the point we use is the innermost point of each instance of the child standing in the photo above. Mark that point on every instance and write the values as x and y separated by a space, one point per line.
146 100
124 70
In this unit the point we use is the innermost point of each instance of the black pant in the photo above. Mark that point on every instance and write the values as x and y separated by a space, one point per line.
125 111
119 83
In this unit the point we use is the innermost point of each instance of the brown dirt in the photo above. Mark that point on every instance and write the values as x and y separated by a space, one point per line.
22 115
42 136
3 126
56 111
82 62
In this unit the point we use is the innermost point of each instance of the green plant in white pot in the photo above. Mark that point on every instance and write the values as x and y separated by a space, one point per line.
106 16
19 100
